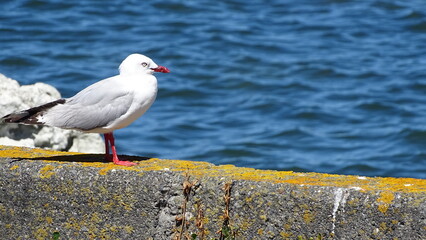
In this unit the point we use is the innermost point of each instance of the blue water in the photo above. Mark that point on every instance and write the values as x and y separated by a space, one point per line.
325 86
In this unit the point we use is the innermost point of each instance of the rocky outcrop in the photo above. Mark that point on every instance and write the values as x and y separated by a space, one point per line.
15 97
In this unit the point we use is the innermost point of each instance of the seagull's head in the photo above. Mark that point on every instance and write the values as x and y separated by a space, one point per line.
140 64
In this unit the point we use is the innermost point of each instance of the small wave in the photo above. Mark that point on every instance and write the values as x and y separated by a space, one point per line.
321 72
317 114
19 61
418 27
36 5
411 15
291 133
375 106
414 136
366 169
178 6
183 93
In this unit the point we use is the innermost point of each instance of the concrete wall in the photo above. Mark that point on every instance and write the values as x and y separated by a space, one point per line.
59 195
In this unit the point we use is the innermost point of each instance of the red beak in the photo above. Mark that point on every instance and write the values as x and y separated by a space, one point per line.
161 69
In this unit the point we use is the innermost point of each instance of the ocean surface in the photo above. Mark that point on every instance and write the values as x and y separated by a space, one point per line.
325 86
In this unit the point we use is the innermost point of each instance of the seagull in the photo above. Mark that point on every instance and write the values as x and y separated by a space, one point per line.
102 107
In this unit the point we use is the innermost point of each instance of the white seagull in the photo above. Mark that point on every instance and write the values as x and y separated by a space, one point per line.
102 107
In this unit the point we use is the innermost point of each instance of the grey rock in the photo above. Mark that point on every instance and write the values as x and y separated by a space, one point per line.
15 97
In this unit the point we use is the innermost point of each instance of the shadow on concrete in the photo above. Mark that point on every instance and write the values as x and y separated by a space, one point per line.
82 158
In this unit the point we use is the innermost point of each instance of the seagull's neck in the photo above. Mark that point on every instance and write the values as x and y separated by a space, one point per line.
139 79
136 73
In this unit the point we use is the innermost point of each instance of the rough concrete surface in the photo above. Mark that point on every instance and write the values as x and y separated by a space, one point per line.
60 195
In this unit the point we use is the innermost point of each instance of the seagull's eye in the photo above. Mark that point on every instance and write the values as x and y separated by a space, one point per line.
144 64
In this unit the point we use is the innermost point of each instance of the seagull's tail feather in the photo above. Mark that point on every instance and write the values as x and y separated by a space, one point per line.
32 115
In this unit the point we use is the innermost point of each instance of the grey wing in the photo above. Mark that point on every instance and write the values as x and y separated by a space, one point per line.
96 106
87 117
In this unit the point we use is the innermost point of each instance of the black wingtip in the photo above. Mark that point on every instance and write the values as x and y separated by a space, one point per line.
15 117
30 116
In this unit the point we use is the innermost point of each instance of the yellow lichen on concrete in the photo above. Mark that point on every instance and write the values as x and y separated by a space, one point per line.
27 153
308 216
128 229
105 170
47 171
384 201
285 235
245 224
41 234
49 220
2 208
91 222
203 169
14 167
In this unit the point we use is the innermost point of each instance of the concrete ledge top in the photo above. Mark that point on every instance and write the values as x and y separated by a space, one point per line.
55 159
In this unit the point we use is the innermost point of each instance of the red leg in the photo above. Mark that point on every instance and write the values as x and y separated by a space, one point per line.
108 156
114 153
